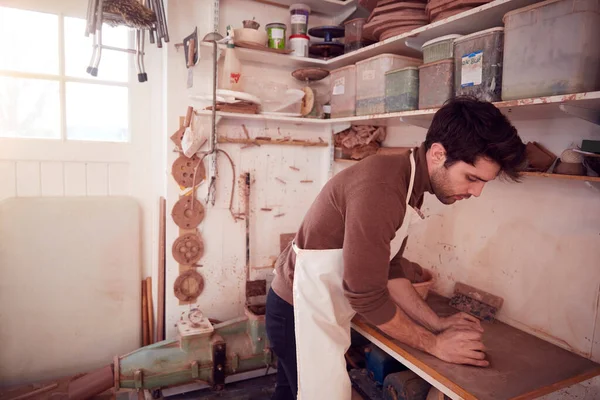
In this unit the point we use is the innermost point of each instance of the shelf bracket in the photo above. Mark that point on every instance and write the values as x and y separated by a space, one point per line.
587 114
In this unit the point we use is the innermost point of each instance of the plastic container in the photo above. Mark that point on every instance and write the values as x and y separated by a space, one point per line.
439 48
436 83
353 35
299 45
552 48
402 89
370 81
299 18
343 92
276 35
478 64
231 76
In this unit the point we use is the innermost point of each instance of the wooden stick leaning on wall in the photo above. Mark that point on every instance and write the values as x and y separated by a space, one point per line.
160 304
150 311
144 315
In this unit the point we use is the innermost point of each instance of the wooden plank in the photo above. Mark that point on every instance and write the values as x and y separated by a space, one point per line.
563 177
8 177
97 179
522 365
259 142
150 310
28 179
52 178
75 179
160 302
118 179
145 337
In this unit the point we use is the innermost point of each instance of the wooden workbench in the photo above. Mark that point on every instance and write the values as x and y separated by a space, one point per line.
522 365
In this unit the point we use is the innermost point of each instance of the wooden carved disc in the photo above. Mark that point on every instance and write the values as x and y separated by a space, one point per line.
186 216
188 249
188 286
183 171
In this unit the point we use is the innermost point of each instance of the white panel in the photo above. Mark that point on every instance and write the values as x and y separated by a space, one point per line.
70 271
97 179
28 178
52 178
8 186
118 179
75 179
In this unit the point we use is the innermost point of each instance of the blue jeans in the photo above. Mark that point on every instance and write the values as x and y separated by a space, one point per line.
280 330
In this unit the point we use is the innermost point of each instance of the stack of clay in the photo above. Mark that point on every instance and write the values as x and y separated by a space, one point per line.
358 142
392 17
440 9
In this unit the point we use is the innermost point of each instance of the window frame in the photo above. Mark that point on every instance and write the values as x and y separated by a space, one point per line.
63 79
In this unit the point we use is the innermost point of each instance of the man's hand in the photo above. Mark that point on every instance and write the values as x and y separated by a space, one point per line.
459 321
460 346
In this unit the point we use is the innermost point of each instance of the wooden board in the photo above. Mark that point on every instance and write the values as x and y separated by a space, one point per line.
160 302
522 366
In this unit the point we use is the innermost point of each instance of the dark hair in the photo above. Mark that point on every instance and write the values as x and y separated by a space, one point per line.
469 128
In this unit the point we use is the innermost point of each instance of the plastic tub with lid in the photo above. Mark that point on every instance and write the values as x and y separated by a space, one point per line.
343 92
276 35
370 81
552 48
402 89
299 45
436 83
299 18
439 48
353 39
478 64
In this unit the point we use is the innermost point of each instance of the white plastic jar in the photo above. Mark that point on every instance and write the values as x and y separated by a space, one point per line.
299 45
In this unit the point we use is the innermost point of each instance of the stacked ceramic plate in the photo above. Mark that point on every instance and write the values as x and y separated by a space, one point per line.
442 9
391 18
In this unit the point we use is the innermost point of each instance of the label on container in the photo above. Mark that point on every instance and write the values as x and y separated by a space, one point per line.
277 33
472 69
339 86
234 77
368 75
299 19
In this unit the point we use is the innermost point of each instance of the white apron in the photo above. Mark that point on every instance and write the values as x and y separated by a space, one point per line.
322 315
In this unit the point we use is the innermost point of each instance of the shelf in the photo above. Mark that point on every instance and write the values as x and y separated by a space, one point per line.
327 7
563 177
522 366
264 57
516 110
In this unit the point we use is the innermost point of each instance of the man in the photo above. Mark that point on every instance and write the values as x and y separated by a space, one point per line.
348 252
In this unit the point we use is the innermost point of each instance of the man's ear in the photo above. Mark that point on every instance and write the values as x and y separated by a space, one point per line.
438 154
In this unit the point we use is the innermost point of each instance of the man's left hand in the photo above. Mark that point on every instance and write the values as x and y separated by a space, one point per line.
460 321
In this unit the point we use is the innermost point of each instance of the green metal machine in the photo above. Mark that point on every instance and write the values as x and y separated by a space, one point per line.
203 352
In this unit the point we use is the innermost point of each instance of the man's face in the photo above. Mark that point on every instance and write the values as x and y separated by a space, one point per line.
461 180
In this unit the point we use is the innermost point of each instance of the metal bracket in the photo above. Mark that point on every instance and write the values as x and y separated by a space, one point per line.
219 361
138 378
587 114
195 370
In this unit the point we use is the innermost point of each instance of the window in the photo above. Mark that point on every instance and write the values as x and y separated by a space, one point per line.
45 92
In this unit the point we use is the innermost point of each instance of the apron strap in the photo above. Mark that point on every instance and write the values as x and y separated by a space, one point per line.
412 178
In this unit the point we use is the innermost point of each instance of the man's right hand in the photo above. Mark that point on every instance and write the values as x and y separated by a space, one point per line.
460 346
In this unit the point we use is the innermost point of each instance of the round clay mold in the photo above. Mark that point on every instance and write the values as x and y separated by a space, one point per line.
186 216
183 171
188 249
188 286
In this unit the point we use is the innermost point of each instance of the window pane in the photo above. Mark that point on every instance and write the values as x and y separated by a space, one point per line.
28 41
78 51
29 108
97 112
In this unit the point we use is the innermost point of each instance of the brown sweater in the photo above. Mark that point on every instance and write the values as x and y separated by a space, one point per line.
359 210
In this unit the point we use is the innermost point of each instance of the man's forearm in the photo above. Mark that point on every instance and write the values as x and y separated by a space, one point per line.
405 296
404 329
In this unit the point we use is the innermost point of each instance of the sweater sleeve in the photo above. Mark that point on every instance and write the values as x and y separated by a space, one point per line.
372 216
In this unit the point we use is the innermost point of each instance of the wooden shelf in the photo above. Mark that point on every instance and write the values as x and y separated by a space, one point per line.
522 365
327 7
516 110
563 177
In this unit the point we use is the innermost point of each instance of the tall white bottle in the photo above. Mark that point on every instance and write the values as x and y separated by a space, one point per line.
231 78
